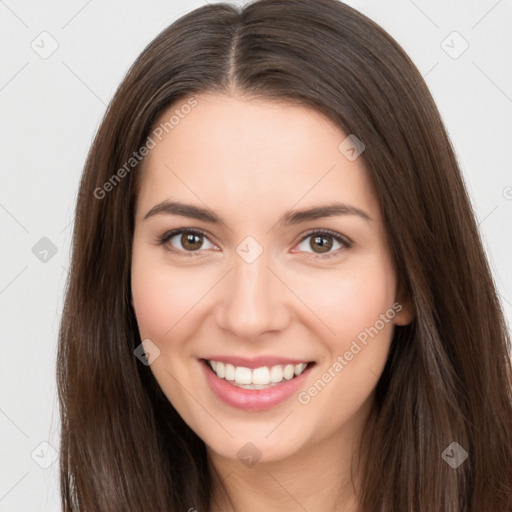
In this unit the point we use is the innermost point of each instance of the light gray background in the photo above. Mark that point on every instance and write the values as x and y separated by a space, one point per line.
52 107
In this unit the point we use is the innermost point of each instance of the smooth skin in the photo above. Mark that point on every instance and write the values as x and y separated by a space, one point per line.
252 161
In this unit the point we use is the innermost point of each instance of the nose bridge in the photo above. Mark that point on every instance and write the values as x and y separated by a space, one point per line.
251 301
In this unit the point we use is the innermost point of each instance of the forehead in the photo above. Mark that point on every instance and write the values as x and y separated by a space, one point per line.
245 151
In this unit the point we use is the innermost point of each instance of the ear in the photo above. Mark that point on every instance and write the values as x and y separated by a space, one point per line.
404 307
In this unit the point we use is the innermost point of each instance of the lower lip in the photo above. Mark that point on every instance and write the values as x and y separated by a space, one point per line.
253 399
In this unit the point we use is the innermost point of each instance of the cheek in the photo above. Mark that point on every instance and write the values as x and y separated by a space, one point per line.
150 295
165 298
351 305
350 300
152 301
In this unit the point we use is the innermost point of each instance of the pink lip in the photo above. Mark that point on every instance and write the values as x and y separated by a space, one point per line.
256 362
253 399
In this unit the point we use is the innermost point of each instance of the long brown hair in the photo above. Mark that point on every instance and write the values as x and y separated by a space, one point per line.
448 375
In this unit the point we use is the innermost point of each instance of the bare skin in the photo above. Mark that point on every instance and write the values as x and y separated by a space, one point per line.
251 162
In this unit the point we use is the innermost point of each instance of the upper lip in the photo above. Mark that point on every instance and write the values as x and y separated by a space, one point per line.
256 362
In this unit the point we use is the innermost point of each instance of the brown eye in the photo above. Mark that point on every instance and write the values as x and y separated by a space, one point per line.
322 243
191 241
185 242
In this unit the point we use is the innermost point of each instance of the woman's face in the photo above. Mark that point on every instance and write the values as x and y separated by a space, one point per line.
252 281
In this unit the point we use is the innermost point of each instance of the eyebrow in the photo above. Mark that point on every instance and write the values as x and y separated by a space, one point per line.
291 218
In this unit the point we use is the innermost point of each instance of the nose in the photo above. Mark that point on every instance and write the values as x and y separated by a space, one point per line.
252 300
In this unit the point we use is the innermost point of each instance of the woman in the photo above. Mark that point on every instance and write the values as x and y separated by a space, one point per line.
278 297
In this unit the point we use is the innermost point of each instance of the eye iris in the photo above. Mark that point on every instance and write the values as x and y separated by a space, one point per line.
188 240
324 247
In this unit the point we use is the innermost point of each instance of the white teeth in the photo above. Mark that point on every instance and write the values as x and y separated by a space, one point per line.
230 372
261 375
299 368
242 375
289 371
220 370
276 373
258 378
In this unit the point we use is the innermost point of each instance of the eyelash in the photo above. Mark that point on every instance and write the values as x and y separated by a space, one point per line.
163 239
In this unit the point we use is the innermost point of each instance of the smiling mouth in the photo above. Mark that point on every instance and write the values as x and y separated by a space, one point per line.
256 378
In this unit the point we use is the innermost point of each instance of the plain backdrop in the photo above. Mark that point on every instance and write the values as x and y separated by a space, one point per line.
52 104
